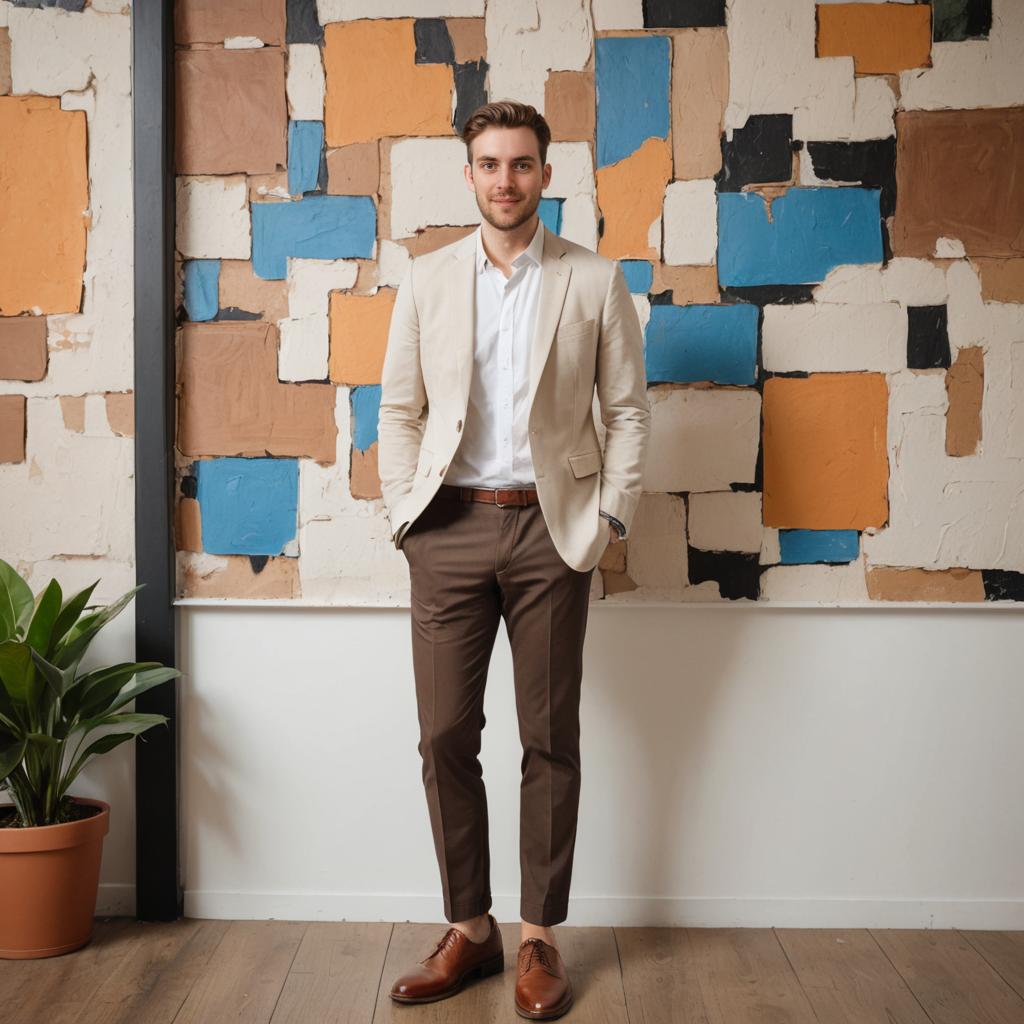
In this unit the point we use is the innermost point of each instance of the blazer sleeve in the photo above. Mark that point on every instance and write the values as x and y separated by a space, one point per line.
625 409
403 400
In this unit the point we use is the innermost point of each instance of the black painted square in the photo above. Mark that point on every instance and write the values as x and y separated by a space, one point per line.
683 13
303 25
433 43
953 21
927 337
737 573
760 151
871 164
470 90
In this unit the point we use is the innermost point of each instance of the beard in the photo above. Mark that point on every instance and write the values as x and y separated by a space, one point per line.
506 219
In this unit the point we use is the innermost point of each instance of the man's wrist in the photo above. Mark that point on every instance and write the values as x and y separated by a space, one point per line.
615 522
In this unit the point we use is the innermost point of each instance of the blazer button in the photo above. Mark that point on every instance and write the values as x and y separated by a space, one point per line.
442 471
458 426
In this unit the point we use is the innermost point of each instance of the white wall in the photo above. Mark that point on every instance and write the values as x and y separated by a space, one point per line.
742 766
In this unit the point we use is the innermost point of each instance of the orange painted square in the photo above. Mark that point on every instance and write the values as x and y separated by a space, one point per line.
44 181
376 89
359 335
826 464
883 39
630 194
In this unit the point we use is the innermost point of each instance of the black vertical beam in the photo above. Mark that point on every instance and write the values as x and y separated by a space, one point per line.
158 892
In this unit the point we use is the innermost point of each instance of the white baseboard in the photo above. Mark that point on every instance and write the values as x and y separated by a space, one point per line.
601 911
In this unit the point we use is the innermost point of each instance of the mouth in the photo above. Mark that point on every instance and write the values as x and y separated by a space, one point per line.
506 202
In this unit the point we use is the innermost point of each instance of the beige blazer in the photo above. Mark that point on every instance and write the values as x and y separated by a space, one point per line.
588 333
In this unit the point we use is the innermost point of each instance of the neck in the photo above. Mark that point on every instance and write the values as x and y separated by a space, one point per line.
504 246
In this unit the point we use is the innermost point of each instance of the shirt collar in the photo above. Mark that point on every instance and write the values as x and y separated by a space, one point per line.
532 253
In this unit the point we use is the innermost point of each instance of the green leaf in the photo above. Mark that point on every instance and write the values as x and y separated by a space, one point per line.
135 724
92 686
40 739
16 601
40 631
17 672
107 701
79 637
12 750
136 721
70 612
57 679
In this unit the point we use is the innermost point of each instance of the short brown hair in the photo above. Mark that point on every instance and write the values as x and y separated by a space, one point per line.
507 114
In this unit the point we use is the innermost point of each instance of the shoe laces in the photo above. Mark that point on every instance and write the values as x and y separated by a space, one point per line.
538 949
448 940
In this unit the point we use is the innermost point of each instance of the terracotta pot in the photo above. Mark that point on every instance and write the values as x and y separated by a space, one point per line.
49 878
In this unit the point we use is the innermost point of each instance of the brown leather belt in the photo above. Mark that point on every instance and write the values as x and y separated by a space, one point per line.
499 496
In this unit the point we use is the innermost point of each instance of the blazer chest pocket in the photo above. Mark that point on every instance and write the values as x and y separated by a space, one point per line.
585 463
578 330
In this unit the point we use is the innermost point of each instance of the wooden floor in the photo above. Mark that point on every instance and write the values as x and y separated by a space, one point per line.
192 971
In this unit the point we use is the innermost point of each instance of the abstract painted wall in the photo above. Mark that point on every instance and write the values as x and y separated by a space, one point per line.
66 299
819 211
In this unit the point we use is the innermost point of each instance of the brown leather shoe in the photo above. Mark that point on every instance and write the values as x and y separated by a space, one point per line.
455 959
543 989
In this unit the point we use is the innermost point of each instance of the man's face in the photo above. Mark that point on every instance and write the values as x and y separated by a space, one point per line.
506 175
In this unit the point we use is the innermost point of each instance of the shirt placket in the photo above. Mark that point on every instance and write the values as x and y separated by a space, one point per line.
506 363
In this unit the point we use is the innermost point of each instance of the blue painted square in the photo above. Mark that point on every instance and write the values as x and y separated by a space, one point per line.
632 81
365 414
305 146
202 287
812 230
696 343
247 506
550 212
802 547
639 275
317 227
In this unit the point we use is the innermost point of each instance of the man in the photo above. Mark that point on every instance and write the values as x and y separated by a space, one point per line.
501 499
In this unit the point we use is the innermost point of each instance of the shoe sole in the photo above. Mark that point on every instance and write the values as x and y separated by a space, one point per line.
482 970
550 1014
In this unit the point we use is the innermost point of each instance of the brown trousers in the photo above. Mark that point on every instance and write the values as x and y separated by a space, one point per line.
471 563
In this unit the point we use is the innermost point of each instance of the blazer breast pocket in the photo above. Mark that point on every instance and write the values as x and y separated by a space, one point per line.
577 330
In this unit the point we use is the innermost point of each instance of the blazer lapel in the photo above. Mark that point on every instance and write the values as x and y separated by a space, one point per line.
460 306
554 282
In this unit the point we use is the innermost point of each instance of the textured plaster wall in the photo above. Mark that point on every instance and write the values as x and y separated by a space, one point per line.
816 206
66 305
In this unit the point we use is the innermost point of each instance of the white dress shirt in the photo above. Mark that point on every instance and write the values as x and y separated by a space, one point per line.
495 446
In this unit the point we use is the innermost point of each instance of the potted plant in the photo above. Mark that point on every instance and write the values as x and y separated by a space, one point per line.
54 717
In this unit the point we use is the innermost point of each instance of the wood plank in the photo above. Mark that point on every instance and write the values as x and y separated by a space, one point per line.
590 959
950 979
709 975
1004 952
336 974
244 977
848 978
151 984
57 989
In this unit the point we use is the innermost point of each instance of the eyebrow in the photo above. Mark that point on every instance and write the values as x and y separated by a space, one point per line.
514 159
